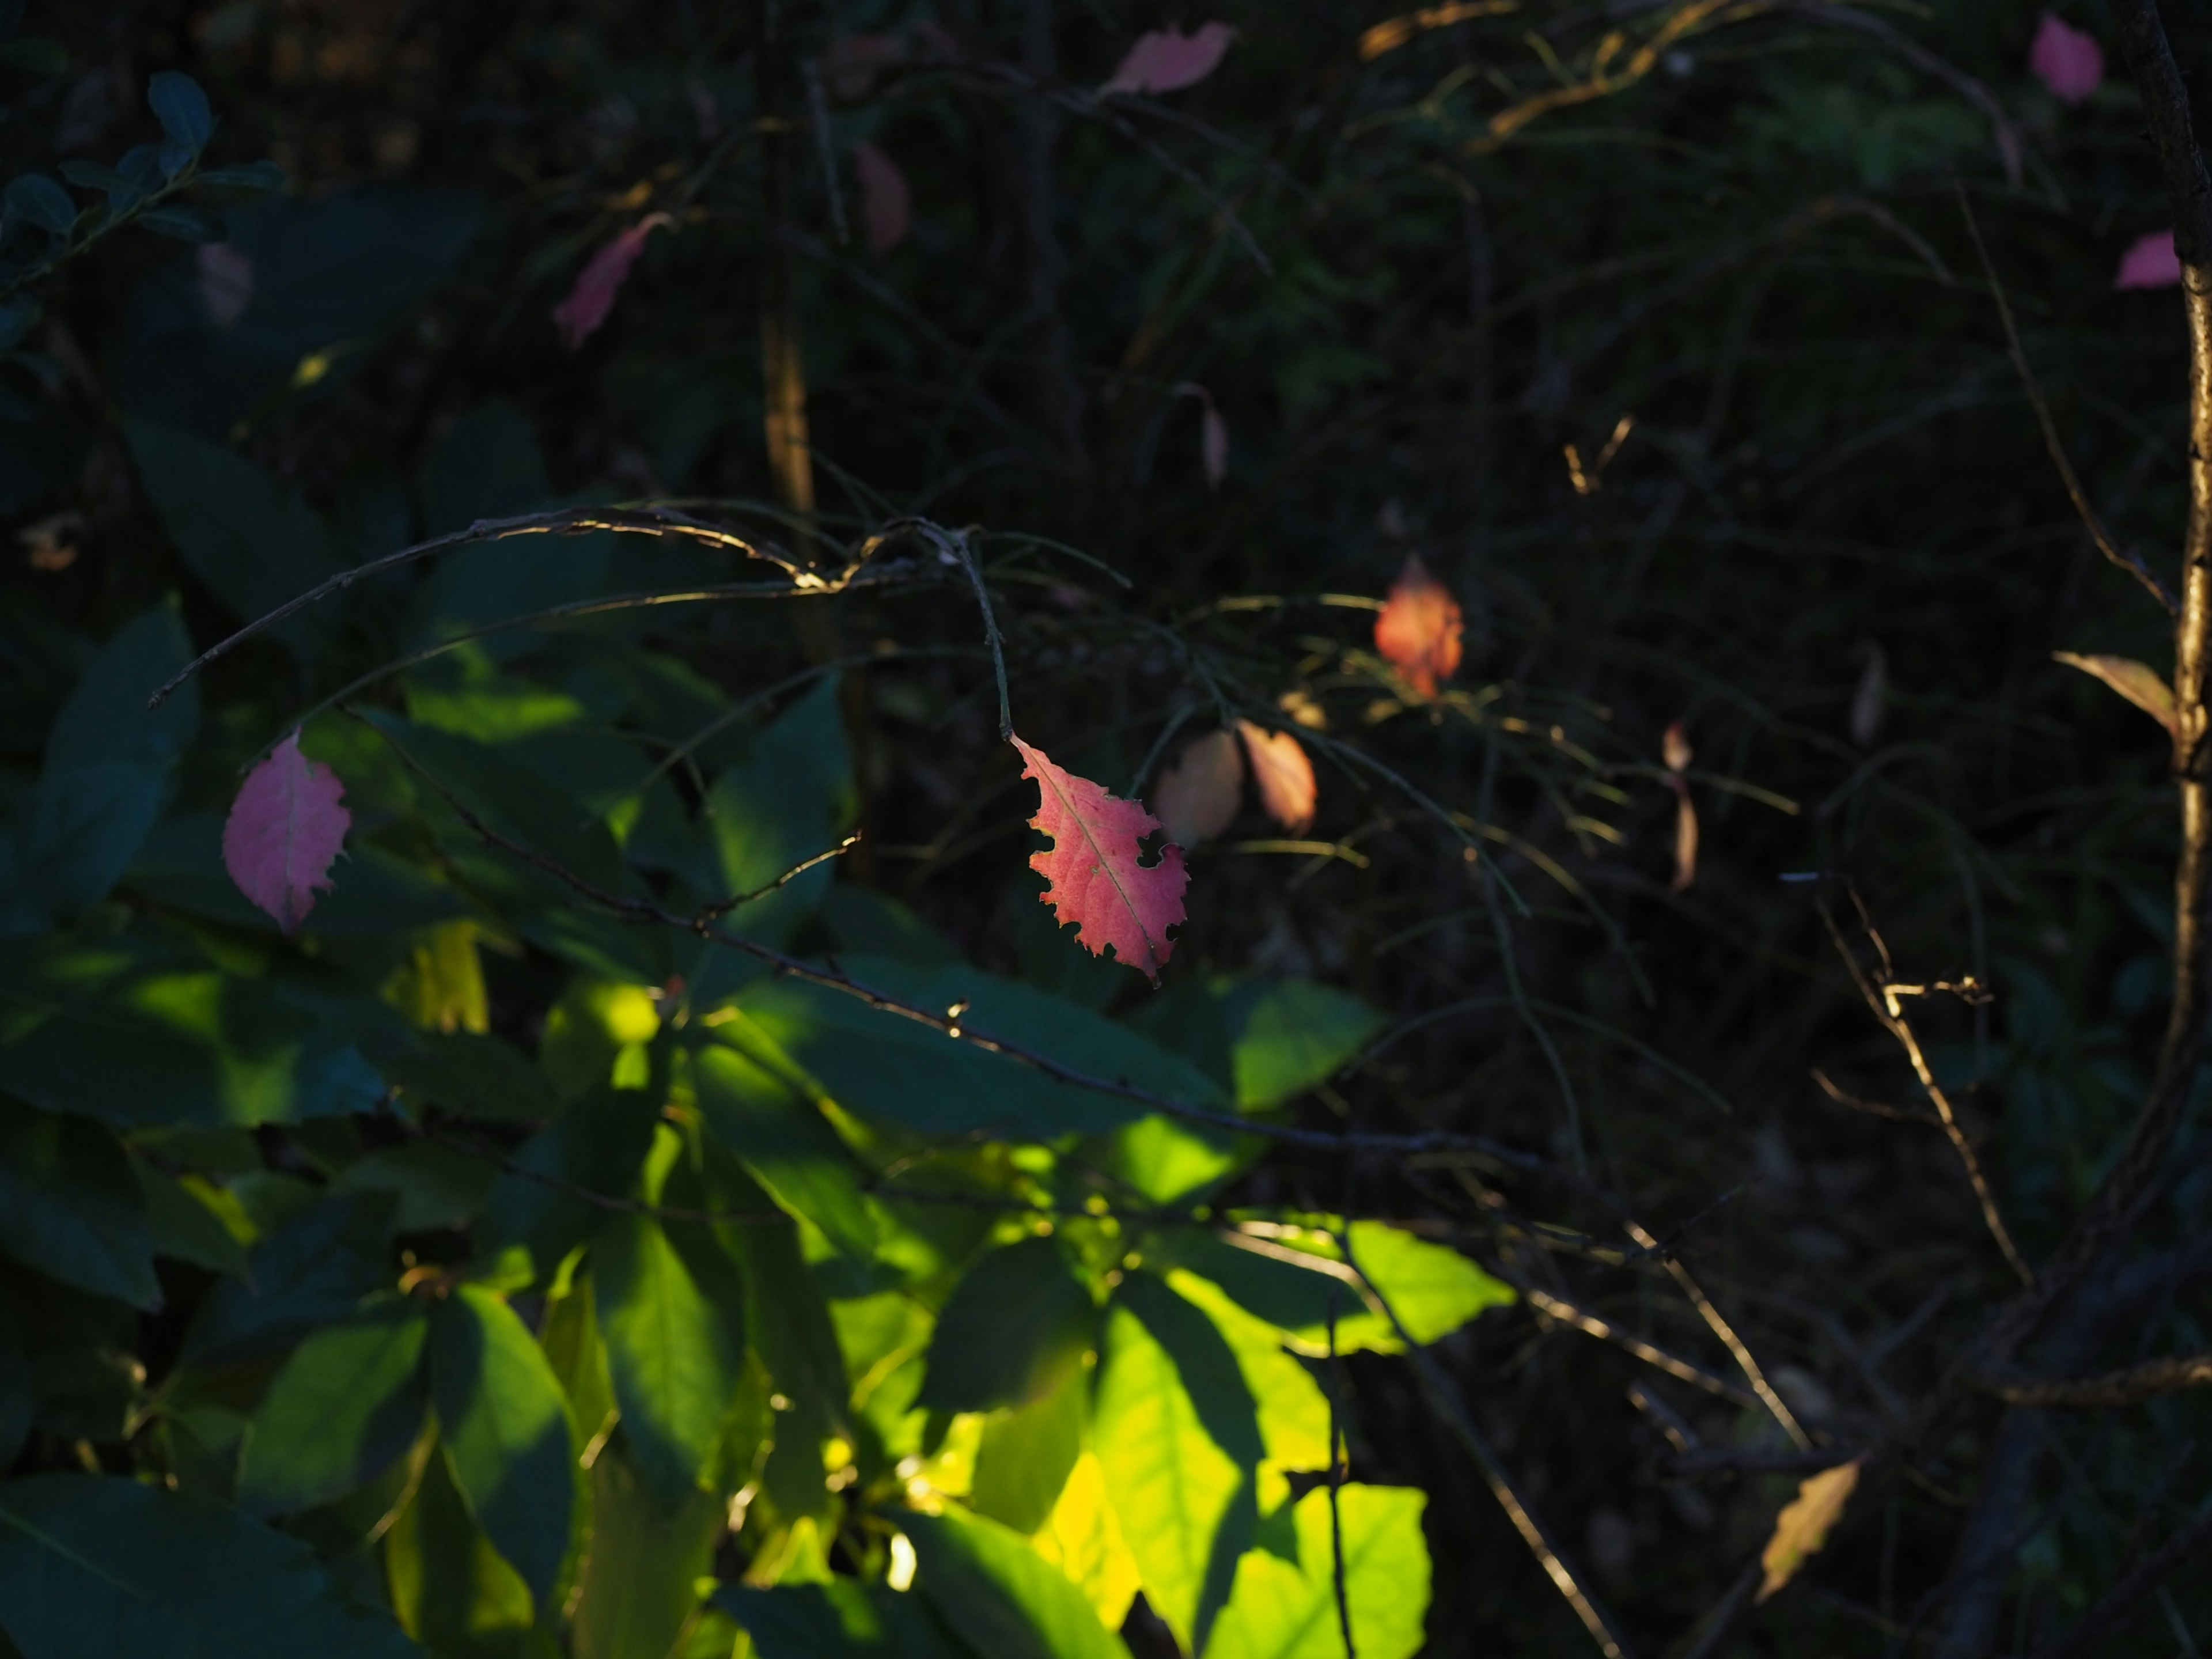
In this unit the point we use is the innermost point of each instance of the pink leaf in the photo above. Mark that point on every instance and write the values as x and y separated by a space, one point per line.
1419 630
1168 60
886 203
226 277
1091 870
2066 60
579 316
1197 798
2149 262
1286 776
285 828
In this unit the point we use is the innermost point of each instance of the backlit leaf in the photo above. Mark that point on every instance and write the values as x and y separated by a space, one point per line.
1284 774
1197 798
1026 1455
2138 682
1016 1324
1285 1610
348 1402
1418 631
1804 1523
1002 1597
284 831
1168 60
579 316
1097 880
1083 1538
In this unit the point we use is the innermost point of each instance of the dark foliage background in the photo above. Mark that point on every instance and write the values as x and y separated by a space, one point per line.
1758 251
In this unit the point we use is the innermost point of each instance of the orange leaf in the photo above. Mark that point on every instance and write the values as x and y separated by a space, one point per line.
1091 870
1803 1526
1284 774
2138 682
1420 628
1197 798
1674 748
1686 838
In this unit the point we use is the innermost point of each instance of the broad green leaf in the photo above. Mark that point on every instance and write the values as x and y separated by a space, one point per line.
788 798
37 198
1282 1610
504 1423
784 1141
184 1227
640 1576
448 1585
432 1186
1002 1597
1433 1289
70 1207
1016 1324
1176 1437
255 542
598 1146
1171 1161
310 1272
181 107
671 1310
93 1567
348 1403
1027 1454
872 923
1293 1411
839 1619
1083 1538
375 891
892 1069
108 763
1287 1035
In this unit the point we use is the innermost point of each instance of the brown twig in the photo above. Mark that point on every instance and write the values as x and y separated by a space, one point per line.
2130 1387
1649 1352
1720 1329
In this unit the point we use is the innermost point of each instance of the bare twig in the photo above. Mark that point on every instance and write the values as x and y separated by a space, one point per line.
1649 1352
1721 1328
2130 1387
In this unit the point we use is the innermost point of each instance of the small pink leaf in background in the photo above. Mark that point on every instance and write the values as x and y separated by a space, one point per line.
579 316
1197 798
1168 60
1674 749
886 203
1419 630
2066 60
1285 775
285 828
2149 262
1093 876
226 277
1212 433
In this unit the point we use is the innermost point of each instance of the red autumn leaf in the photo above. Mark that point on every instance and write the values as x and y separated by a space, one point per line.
285 828
2066 60
1091 870
1197 798
886 203
1168 60
1284 774
1419 630
579 316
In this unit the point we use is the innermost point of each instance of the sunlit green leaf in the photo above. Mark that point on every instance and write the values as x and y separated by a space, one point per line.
1027 1454
1016 1324
1283 1610
640 1577
1002 1597
347 1403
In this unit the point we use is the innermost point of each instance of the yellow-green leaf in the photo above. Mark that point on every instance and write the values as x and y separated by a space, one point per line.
1804 1525
2138 682
1285 1610
1082 1539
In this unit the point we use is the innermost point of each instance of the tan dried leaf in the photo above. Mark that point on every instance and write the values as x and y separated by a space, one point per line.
2138 682
1285 775
1686 838
1674 748
1804 1525
1197 798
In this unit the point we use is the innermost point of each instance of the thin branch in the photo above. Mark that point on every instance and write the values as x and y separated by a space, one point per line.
1720 1328
2094 1630
2130 1387
1649 1352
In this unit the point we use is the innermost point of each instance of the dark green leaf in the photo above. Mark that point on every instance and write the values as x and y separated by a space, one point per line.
141 165
98 175
184 1228
840 1619
181 107
35 53
432 1186
671 1308
452 1591
1017 1323
38 198
375 891
17 316
1025 1455
505 1425
245 183
349 1402
254 541
639 1581
312 1271
91 1568
70 1207
1000 1595
183 222
597 1145
784 1140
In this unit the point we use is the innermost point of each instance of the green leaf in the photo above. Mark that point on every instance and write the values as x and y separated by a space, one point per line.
840 1619
254 179
671 1310
98 175
312 1271
1015 1325
784 1141
108 765
639 1583
181 107
432 1186
255 542
34 197
1434 1290
1177 1436
449 1587
1287 1035
93 1567
181 221
597 1145
70 1207
1000 1596
1027 1454
785 801
35 54
348 1403
1285 1610
184 1227
1293 1411
504 1424
882 1066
